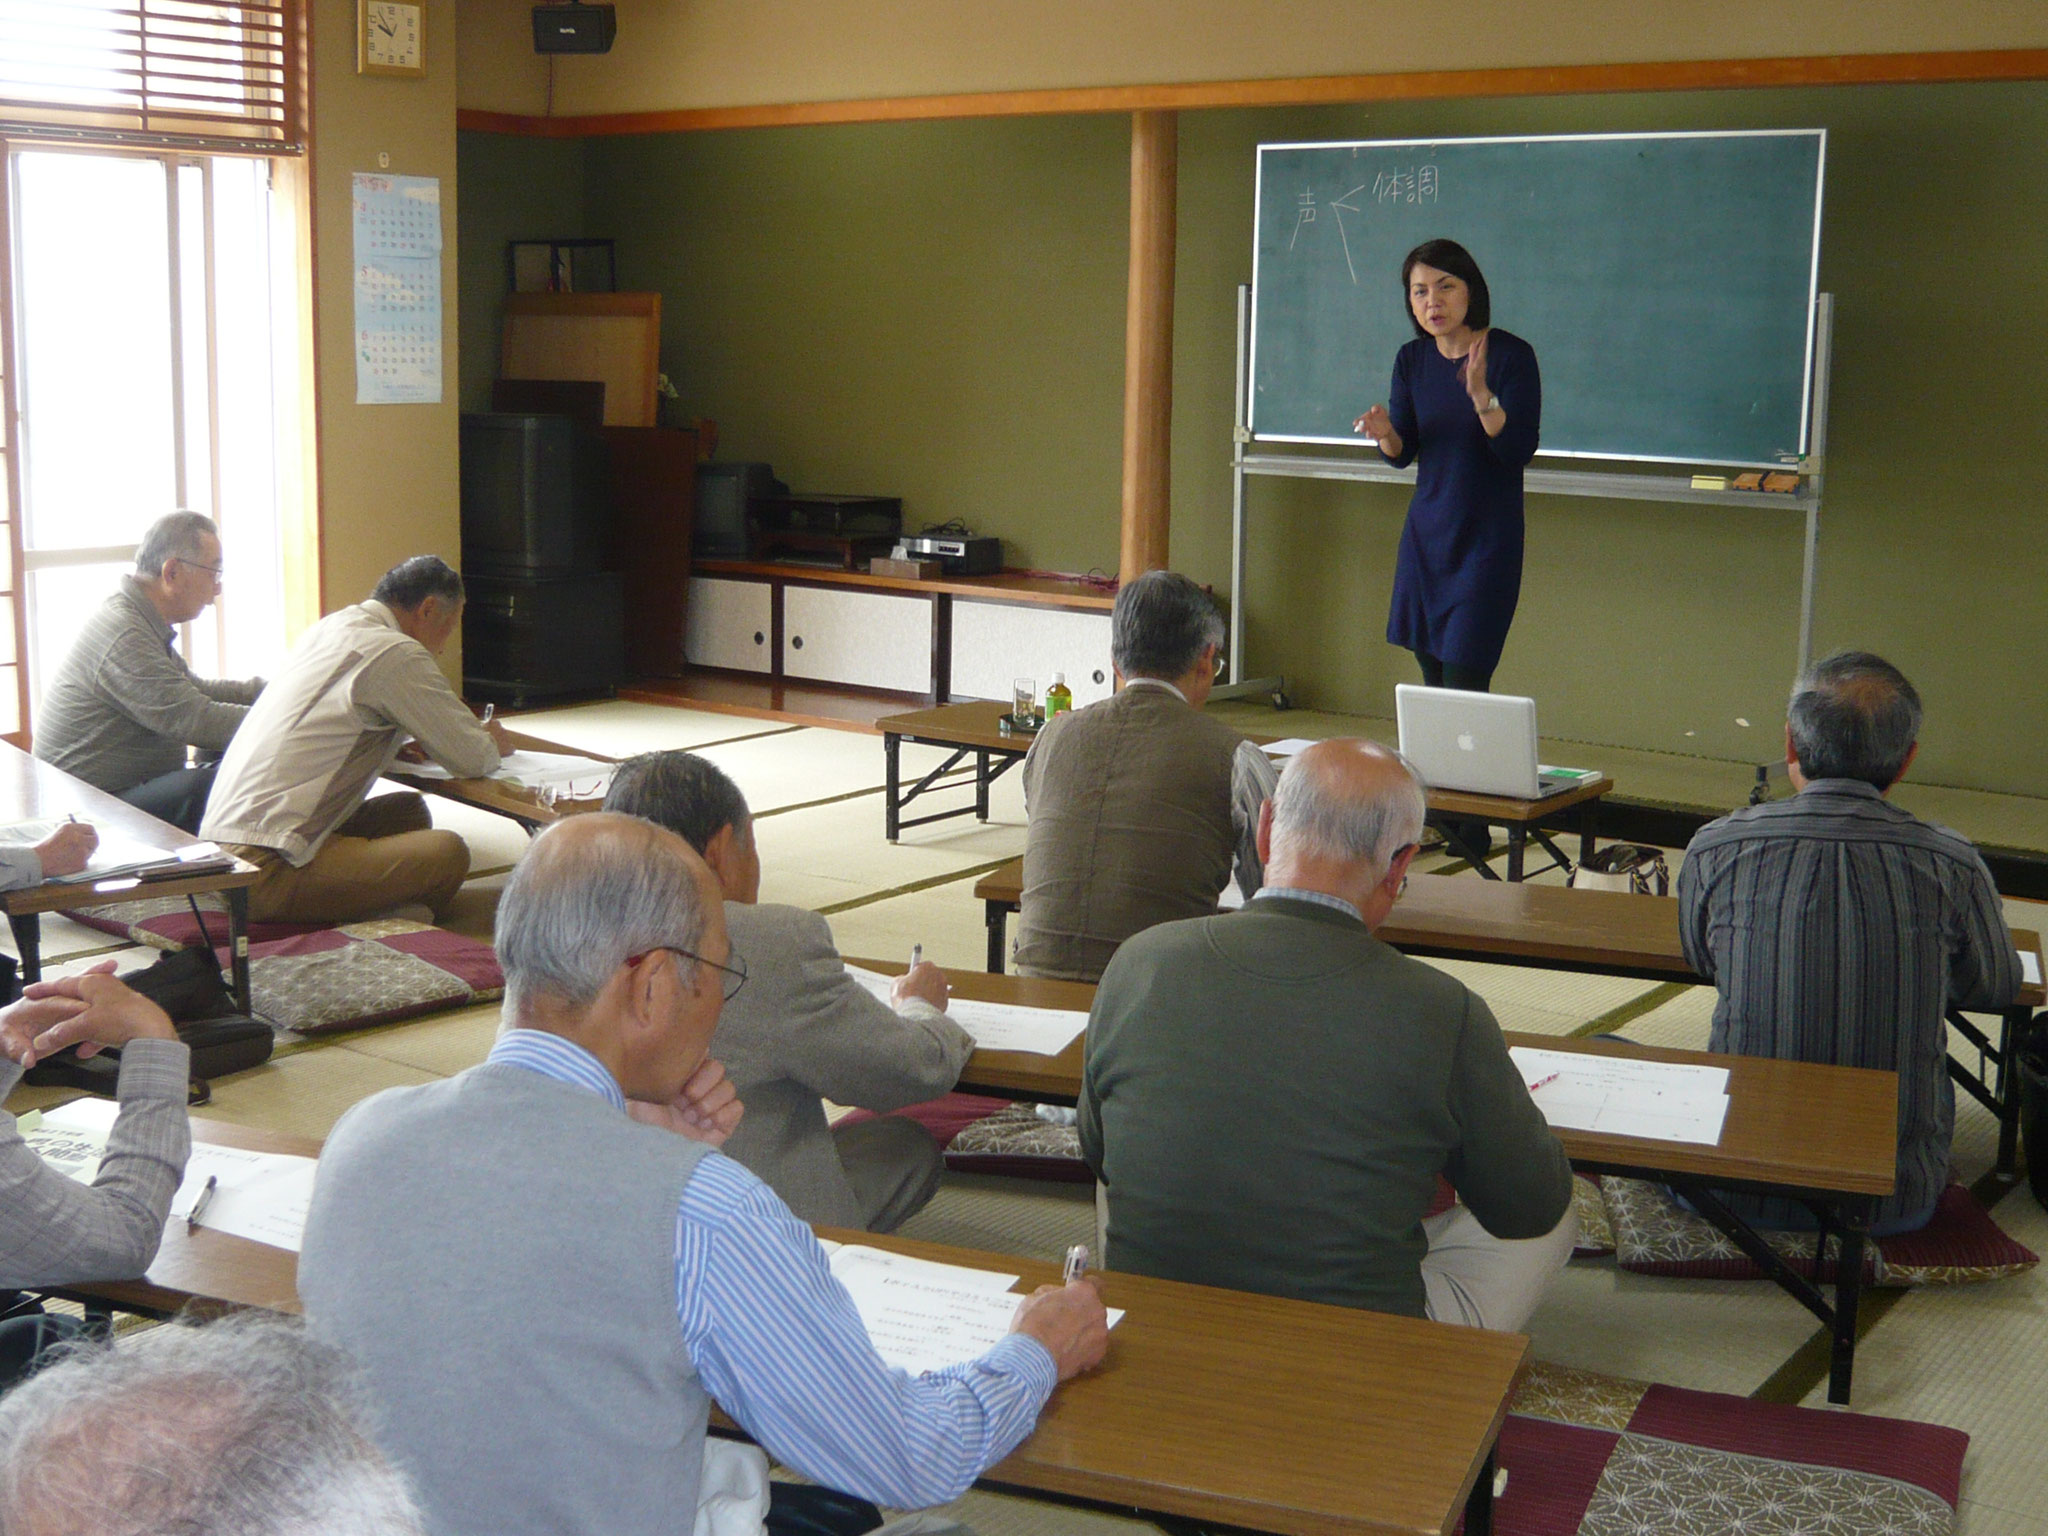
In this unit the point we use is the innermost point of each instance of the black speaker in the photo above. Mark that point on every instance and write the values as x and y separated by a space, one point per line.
574 28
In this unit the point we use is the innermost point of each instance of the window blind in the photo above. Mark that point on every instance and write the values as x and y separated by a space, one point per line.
167 73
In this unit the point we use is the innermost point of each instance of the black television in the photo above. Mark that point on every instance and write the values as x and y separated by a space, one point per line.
536 495
725 494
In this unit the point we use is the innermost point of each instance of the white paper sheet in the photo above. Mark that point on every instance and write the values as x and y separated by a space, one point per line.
1620 1096
261 1196
534 770
1287 746
2030 967
998 1026
114 856
924 1316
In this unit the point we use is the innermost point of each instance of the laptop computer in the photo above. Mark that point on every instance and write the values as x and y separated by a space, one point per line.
1480 743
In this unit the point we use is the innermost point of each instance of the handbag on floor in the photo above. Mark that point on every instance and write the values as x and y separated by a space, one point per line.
187 985
1633 867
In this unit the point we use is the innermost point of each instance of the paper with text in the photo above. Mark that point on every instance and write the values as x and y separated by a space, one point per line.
997 1026
2030 967
924 1316
262 1196
1625 1096
534 770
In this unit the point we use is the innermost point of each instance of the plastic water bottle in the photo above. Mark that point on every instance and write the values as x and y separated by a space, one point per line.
1058 697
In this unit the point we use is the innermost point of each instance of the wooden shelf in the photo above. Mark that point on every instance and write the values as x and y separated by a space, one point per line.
1006 586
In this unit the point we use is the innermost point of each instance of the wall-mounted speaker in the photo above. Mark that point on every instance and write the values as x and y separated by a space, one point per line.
574 28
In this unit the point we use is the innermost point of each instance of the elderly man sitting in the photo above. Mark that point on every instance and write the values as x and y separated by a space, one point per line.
1137 805
802 1030
123 706
1840 928
244 1426
550 1273
292 793
1269 1096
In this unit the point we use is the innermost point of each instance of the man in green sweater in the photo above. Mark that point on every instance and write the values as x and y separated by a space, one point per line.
1269 1095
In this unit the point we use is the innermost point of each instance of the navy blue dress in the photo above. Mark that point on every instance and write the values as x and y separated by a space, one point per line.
1459 573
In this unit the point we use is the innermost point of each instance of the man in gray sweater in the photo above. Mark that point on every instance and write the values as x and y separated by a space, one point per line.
802 1029
1270 1095
123 706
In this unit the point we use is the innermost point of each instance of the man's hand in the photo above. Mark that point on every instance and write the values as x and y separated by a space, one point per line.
500 737
707 1110
923 981
65 850
21 1022
412 752
96 1011
1069 1320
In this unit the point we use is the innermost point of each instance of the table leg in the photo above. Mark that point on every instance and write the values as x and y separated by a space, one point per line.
1848 1294
1589 827
2012 1028
238 948
1479 1502
892 780
28 943
981 783
997 916
1518 849
1454 838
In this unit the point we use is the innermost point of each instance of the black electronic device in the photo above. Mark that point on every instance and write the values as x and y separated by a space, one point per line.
726 494
960 554
526 640
856 517
574 28
536 494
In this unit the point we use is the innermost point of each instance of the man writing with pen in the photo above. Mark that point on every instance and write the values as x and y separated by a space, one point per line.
53 1230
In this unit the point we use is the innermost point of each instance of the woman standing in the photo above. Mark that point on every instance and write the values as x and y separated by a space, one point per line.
1466 400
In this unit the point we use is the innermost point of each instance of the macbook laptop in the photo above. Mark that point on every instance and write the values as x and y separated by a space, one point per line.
1481 743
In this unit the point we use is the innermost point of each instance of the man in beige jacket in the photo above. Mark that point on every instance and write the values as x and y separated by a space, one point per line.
290 795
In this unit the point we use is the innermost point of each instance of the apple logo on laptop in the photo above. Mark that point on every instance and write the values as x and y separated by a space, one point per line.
1466 743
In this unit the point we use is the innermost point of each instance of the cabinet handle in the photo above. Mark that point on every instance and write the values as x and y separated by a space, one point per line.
796 642
761 639
1098 675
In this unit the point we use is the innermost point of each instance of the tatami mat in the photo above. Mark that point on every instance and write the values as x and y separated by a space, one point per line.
946 920
843 841
621 728
303 1094
1544 1002
799 767
1030 1218
444 1044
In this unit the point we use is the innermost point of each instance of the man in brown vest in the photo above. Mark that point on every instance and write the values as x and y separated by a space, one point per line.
1139 804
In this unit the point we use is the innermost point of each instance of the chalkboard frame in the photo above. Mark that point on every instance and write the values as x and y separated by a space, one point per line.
1806 402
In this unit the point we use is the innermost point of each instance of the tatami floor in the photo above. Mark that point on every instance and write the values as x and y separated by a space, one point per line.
1975 1357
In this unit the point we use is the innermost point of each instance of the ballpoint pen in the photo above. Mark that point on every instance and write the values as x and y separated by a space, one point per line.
916 956
1076 1265
199 1205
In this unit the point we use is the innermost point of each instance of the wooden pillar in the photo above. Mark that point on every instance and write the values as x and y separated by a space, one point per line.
1148 343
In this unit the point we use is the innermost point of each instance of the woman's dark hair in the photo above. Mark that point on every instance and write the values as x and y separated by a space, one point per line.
1449 256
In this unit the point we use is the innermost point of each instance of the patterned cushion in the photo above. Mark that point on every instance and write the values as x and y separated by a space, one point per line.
1654 1235
166 922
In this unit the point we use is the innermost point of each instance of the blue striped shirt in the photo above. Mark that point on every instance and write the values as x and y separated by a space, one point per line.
776 1340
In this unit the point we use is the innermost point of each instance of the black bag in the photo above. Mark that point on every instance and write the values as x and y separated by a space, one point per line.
187 985
1635 867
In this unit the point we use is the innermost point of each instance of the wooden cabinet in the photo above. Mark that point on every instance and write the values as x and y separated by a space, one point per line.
995 643
863 639
731 625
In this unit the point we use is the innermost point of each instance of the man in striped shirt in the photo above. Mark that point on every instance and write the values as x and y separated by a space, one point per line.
1839 928
548 1274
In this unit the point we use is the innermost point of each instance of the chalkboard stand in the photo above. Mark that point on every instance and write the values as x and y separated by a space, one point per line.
1369 466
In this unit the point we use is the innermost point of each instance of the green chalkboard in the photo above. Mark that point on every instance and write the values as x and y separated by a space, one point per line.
1665 280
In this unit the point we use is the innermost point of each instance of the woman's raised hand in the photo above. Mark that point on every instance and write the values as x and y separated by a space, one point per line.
1475 373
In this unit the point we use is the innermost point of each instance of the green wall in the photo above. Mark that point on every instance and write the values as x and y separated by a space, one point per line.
936 310
512 189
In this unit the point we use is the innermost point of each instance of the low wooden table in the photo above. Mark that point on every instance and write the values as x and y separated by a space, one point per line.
1824 1135
514 801
1602 933
31 790
1213 1405
1450 810
963 730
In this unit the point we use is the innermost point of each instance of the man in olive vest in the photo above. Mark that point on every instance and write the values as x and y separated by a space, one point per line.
1139 804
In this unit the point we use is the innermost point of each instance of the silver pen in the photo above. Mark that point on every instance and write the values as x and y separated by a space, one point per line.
490 713
199 1205
916 956
1076 1265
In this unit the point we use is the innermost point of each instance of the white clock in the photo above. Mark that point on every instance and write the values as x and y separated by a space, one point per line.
391 38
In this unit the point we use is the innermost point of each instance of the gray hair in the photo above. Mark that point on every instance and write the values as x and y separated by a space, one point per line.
1160 624
1854 716
688 794
592 891
411 582
244 1427
1311 812
174 536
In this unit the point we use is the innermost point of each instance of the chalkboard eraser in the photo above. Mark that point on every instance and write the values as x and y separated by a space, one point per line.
1753 481
1710 482
1782 481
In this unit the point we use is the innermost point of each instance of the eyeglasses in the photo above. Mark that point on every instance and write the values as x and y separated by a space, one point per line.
735 973
211 570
